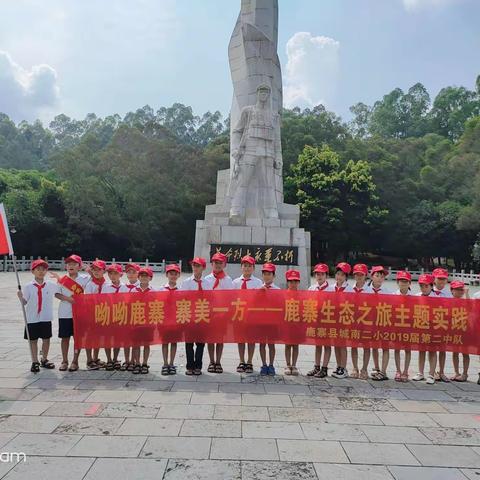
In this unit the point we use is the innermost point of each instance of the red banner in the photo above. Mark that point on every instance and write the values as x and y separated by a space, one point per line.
277 316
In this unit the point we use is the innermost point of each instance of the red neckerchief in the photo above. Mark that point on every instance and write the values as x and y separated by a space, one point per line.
167 287
139 289
323 286
131 286
437 292
358 290
218 276
116 288
339 289
199 283
376 290
99 282
39 296
244 283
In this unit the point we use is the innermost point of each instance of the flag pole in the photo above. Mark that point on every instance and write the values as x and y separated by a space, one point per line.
14 258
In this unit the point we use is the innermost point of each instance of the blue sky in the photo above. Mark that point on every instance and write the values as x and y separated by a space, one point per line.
112 56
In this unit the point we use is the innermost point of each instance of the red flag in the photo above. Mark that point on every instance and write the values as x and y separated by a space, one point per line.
5 240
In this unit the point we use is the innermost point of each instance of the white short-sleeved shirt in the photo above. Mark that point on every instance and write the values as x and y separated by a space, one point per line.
319 288
346 288
381 291
443 293
93 288
110 288
148 289
131 286
419 294
365 289
190 284
398 292
166 288
226 283
65 308
272 286
30 294
253 283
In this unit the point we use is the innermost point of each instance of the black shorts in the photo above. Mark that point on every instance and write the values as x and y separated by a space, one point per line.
38 330
65 327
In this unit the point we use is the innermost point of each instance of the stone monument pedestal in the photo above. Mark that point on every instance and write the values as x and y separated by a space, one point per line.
280 241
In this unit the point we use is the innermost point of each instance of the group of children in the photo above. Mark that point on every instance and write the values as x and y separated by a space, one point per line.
37 296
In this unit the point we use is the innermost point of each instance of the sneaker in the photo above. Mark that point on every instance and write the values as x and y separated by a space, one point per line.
430 380
271 370
264 370
418 377
322 373
478 381
339 373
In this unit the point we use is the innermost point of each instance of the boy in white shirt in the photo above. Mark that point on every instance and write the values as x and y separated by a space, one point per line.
268 277
37 296
173 274
69 285
221 281
197 282
247 282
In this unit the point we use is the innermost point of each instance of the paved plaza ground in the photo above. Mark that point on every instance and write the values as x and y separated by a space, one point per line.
96 425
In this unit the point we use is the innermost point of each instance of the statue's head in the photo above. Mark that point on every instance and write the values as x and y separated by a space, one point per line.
263 92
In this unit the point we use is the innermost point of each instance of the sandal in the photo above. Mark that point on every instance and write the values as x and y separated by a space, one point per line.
45 363
312 373
109 366
398 377
130 367
379 376
322 373
248 368
211 368
63 367
137 369
287 370
144 369
463 378
456 378
73 367
218 368
172 370
92 366
363 375
165 370
355 374
241 367
100 363
405 377
443 378
197 372
117 365
35 368
189 372
123 367
295 371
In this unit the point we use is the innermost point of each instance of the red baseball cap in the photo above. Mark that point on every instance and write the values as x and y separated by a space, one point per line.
292 275
440 273
38 263
219 257
269 267
100 264
199 261
172 268
248 259
344 267
404 275
378 268
74 258
457 284
132 266
320 268
426 278
115 267
360 268
146 271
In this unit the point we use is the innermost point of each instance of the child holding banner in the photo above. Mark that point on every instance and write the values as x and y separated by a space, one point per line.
95 286
73 283
426 282
268 277
360 273
115 273
291 351
459 290
197 282
246 282
221 281
145 276
378 275
173 274
404 281
37 297
342 271
321 276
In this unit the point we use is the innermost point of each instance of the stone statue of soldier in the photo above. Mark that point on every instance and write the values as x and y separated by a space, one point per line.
257 159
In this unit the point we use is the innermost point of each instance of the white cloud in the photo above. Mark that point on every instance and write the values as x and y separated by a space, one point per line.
25 94
413 5
312 70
